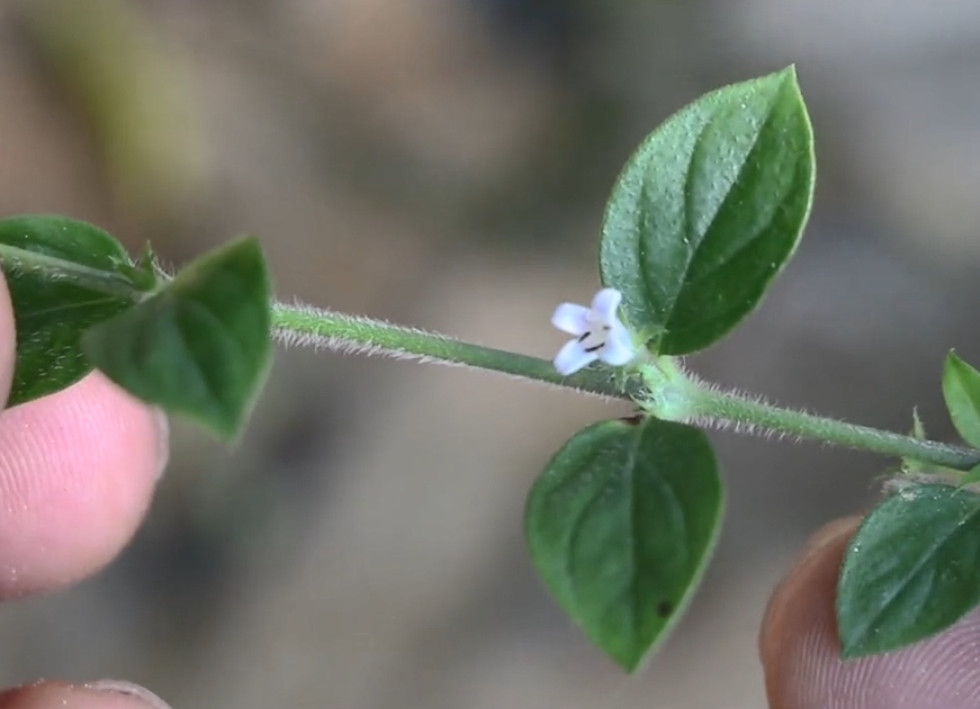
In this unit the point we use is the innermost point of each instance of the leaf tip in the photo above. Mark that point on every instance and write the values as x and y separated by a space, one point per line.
850 652
630 664
788 71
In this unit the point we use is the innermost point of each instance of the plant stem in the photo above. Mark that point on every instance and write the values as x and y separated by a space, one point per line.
661 388
307 326
708 404
54 269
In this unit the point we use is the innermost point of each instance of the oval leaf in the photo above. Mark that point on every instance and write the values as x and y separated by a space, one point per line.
64 276
621 525
961 390
200 347
707 212
912 570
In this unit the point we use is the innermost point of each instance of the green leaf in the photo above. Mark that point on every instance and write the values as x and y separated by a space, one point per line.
918 427
961 389
64 276
912 570
912 466
971 476
200 347
621 525
707 212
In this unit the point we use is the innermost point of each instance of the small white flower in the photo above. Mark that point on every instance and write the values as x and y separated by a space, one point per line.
598 333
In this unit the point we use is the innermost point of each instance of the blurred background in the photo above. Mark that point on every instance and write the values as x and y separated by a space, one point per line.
444 163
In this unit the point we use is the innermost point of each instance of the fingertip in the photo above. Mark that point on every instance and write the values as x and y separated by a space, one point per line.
8 340
800 650
799 619
811 579
77 471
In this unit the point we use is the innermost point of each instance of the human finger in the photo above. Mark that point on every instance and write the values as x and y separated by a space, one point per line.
77 470
801 653
105 694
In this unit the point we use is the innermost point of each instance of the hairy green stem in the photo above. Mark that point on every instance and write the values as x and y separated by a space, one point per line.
711 406
307 326
660 387
57 270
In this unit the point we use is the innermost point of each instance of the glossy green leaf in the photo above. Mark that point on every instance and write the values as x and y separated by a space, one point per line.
961 389
707 212
64 276
201 347
912 569
621 525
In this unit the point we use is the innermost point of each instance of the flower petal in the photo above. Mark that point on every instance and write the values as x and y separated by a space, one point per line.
573 357
571 318
619 347
605 303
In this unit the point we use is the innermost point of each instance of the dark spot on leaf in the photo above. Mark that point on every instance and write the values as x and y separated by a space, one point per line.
633 420
664 608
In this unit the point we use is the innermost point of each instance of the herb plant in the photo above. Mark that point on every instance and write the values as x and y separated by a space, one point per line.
624 518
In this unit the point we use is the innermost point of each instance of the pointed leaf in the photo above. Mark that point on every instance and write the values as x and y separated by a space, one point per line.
200 347
912 570
918 427
961 390
85 277
707 212
621 525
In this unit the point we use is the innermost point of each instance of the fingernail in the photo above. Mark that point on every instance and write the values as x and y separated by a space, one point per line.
128 689
163 441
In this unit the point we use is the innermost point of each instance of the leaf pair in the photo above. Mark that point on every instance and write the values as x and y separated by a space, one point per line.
197 345
623 520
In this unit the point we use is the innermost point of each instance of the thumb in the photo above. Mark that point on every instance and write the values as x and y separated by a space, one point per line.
8 341
801 654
